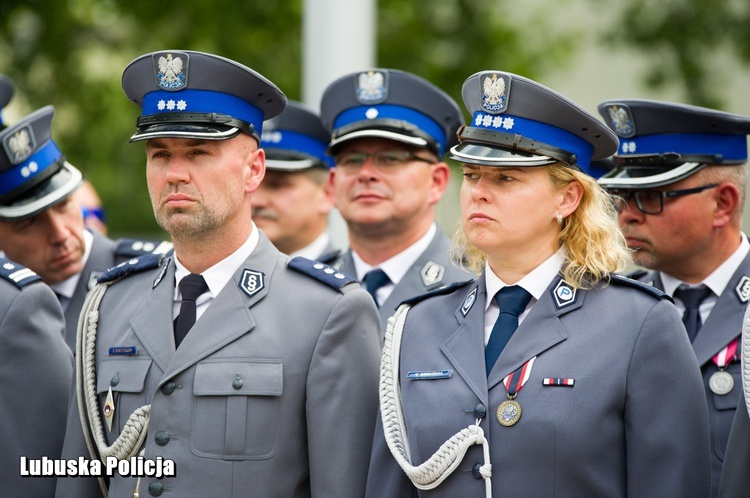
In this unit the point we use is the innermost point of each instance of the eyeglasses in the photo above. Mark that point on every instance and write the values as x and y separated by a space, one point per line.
650 201
352 162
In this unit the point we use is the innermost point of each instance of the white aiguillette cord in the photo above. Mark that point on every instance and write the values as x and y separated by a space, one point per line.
446 459
134 433
745 370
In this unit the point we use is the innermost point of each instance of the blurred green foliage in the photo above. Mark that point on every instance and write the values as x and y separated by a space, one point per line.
685 42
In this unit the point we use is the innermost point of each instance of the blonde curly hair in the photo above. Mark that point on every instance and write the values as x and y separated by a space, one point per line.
591 236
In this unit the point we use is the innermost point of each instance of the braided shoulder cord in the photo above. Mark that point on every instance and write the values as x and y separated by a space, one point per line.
446 459
134 433
745 361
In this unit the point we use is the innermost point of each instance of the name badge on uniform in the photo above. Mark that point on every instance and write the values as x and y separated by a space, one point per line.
123 351
429 375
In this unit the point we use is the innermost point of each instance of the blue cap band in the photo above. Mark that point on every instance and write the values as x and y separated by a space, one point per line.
541 132
30 168
298 142
386 111
202 101
730 147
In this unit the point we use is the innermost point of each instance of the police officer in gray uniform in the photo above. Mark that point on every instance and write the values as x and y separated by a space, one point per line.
293 202
266 382
390 130
597 392
34 381
680 185
41 222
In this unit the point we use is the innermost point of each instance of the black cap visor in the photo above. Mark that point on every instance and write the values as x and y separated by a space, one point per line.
648 176
199 126
391 129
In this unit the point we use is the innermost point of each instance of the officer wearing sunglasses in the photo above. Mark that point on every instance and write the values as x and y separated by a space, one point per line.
679 187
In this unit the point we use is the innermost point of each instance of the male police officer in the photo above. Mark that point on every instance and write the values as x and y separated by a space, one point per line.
292 204
680 187
41 222
35 375
390 130
34 381
273 392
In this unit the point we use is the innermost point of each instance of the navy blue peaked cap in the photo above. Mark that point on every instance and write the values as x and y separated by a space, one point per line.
664 142
295 139
34 174
392 104
518 122
186 94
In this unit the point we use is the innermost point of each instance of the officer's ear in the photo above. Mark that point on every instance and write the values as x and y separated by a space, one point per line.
572 195
440 177
727 199
256 162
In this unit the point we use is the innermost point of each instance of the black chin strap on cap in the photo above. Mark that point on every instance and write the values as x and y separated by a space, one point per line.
667 159
209 121
483 136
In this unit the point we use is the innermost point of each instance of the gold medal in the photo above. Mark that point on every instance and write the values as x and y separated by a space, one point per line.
721 383
109 409
508 412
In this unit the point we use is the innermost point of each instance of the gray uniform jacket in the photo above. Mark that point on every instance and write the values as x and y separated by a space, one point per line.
35 371
735 475
723 325
273 393
434 268
105 253
634 422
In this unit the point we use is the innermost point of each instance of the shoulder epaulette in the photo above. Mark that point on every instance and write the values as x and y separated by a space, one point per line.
321 272
649 289
446 289
637 274
18 275
130 267
132 248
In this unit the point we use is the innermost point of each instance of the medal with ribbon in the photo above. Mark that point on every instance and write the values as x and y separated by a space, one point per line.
722 382
509 411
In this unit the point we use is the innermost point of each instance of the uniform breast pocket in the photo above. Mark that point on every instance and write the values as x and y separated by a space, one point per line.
237 409
127 379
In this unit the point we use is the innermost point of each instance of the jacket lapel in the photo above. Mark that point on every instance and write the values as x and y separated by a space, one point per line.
465 345
725 321
540 330
153 323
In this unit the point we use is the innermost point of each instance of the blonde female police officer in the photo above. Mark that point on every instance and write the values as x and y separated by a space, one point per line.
595 393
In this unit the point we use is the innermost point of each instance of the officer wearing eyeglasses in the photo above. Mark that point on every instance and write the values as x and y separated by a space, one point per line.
390 130
679 187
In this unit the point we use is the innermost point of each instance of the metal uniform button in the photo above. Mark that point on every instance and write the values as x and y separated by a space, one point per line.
237 383
169 387
480 411
162 438
155 488
475 471
115 380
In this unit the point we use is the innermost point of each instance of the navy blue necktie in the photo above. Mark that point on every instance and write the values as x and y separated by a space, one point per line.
191 286
692 299
512 302
374 280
